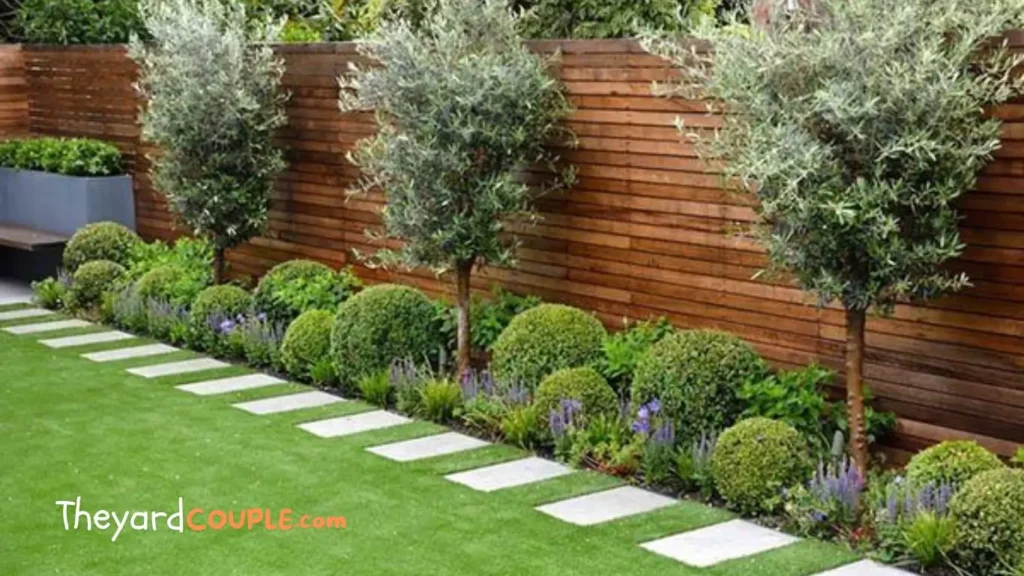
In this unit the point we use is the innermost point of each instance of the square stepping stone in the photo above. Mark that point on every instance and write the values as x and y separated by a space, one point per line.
47 326
126 353
24 313
289 403
346 425
183 367
230 384
428 447
509 474
606 506
86 339
720 542
865 568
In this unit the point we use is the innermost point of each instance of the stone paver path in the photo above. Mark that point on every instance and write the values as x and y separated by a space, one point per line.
865 568
346 425
231 384
47 326
720 542
173 368
23 313
289 402
606 506
86 339
126 353
509 474
428 447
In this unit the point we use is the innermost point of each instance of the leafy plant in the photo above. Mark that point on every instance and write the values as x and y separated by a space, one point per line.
206 72
376 389
486 402
929 538
795 397
606 443
191 256
696 375
324 373
523 426
68 156
610 18
693 466
295 286
77 21
545 339
488 317
621 351
51 293
461 106
1018 458
299 31
440 400
857 155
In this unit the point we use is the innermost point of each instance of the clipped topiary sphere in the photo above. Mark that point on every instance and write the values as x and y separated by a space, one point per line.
989 515
380 324
99 241
307 342
292 287
696 375
91 280
219 303
158 283
583 384
951 462
545 339
754 460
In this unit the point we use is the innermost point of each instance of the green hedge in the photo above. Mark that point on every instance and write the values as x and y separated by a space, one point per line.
696 375
380 324
545 339
77 21
989 515
100 241
69 156
951 462
295 286
307 342
754 460
583 384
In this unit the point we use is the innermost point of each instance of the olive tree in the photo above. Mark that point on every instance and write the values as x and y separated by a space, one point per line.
462 108
212 103
857 124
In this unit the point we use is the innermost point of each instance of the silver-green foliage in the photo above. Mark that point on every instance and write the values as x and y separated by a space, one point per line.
857 124
461 106
211 86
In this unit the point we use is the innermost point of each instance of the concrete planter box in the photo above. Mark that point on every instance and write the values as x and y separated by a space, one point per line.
63 204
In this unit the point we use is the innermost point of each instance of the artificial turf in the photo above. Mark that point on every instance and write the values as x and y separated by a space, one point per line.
73 428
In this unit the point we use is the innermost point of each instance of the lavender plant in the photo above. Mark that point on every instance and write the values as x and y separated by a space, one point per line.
827 505
693 466
166 321
487 402
261 341
914 523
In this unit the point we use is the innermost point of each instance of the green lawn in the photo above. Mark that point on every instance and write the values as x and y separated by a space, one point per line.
72 428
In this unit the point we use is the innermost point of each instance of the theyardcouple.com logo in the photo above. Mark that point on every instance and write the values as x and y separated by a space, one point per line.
194 519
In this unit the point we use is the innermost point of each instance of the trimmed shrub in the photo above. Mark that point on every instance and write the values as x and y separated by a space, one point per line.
68 156
584 384
754 460
307 342
172 284
989 515
545 339
697 374
216 310
99 241
295 286
91 280
951 462
380 324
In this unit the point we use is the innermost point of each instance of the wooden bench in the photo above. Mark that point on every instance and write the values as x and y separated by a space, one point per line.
29 254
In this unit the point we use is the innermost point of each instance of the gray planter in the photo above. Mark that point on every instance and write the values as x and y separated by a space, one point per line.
63 204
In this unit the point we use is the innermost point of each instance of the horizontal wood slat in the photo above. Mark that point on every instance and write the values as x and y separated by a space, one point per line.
647 230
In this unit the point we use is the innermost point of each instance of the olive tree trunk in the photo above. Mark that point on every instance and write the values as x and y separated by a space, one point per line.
855 389
219 264
463 271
